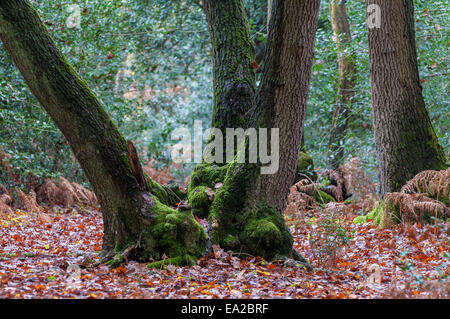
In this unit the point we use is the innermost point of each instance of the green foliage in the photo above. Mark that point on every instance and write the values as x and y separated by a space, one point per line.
168 42
374 216
329 238
149 62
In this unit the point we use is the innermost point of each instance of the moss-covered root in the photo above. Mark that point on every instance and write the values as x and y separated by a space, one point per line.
169 233
166 194
200 199
208 175
258 232
296 260
175 233
185 260
300 261
266 234
204 180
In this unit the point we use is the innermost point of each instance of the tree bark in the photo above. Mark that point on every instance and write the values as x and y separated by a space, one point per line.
234 84
234 77
346 82
133 216
247 211
406 143
283 94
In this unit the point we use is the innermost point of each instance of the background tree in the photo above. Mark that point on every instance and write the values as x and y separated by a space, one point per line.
406 143
346 82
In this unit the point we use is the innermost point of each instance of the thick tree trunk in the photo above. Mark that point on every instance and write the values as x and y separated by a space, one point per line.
346 82
132 215
247 211
405 140
284 88
234 83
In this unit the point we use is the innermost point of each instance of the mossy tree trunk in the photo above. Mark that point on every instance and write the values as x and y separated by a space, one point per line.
247 210
234 78
346 82
234 83
406 143
135 220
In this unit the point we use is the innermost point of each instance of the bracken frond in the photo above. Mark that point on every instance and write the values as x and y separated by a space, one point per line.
419 199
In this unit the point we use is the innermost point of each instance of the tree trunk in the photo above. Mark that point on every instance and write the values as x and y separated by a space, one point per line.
134 219
406 143
247 211
283 94
234 79
234 83
346 82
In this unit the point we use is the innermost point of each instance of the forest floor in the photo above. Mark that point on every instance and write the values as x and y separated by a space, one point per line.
51 255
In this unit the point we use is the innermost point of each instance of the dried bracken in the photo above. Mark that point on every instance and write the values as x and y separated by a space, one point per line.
5 201
424 198
65 194
298 202
359 184
435 183
331 186
161 176
337 188
27 202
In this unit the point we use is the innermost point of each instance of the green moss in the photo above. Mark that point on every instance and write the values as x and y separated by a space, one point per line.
375 215
230 241
372 214
166 194
115 261
200 199
305 167
359 220
208 175
176 233
204 179
266 234
323 198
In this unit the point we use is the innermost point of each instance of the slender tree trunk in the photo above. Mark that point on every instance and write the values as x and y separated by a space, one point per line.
405 140
346 82
269 14
284 88
134 219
